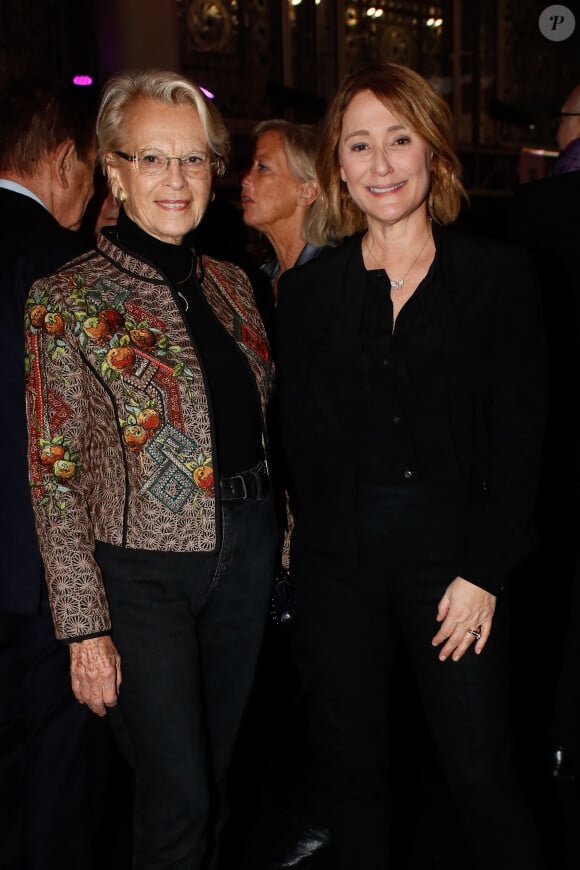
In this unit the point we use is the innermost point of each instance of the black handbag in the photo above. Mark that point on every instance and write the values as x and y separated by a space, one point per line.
282 603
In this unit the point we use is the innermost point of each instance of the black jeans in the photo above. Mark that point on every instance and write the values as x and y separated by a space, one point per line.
346 636
565 726
188 628
55 756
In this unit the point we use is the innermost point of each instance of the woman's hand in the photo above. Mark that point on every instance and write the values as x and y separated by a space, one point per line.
464 607
95 668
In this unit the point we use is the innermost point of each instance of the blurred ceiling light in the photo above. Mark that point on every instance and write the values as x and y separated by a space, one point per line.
82 81
207 93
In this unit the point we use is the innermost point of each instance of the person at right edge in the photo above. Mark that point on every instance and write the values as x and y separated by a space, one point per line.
545 217
412 388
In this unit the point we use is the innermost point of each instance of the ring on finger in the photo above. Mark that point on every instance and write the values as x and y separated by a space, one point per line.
475 632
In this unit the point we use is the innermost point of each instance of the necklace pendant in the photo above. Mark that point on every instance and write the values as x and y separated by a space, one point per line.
397 285
184 300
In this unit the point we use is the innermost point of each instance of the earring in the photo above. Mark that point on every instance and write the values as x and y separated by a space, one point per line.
120 197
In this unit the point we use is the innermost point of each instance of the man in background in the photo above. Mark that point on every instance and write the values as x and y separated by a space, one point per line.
51 772
546 218
568 135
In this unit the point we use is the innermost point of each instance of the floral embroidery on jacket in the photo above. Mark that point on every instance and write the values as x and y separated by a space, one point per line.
120 344
120 428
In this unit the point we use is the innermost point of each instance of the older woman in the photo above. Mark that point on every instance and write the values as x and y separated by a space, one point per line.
149 377
279 199
279 192
412 391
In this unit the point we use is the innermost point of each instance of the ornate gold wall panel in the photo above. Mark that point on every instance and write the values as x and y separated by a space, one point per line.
502 78
415 34
534 73
227 45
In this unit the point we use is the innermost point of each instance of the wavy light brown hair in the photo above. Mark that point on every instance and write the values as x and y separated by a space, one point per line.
409 96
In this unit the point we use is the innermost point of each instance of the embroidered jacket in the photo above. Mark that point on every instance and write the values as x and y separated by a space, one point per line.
121 448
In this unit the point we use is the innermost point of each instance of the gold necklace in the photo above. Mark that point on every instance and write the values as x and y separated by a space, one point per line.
398 285
184 300
189 274
183 281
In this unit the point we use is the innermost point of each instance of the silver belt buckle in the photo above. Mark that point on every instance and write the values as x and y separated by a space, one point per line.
244 487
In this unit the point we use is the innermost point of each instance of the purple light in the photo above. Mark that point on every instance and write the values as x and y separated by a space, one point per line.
208 94
82 81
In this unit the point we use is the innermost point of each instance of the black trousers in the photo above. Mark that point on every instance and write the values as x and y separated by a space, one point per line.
346 634
55 756
188 628
565 726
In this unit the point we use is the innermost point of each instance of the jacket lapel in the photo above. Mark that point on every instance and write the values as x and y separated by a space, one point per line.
333 369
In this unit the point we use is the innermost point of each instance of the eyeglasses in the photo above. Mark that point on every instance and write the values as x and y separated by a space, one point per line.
559 115
150 162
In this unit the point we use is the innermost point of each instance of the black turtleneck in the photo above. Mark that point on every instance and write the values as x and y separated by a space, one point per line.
232 391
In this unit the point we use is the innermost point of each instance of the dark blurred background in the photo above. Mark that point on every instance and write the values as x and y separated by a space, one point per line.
504 82
503 79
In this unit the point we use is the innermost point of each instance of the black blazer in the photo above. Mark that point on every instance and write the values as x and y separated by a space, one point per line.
32 245
495 373
545 218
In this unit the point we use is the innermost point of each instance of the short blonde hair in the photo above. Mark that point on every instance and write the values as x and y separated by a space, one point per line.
300 144
123 90
416 103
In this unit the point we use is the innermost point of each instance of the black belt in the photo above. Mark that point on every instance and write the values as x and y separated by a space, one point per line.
247 484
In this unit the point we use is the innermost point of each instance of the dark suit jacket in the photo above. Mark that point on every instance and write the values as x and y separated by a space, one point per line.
495 376
545 217
32 245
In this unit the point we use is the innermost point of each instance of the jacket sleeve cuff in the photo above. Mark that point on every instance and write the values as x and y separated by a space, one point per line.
85 637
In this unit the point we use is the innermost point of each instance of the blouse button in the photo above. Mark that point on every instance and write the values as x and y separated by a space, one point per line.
407 474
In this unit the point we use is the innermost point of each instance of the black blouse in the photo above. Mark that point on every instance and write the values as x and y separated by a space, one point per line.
233 394
406 433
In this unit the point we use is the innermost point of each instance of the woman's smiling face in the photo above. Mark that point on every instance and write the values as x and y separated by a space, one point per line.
385 165
169 205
